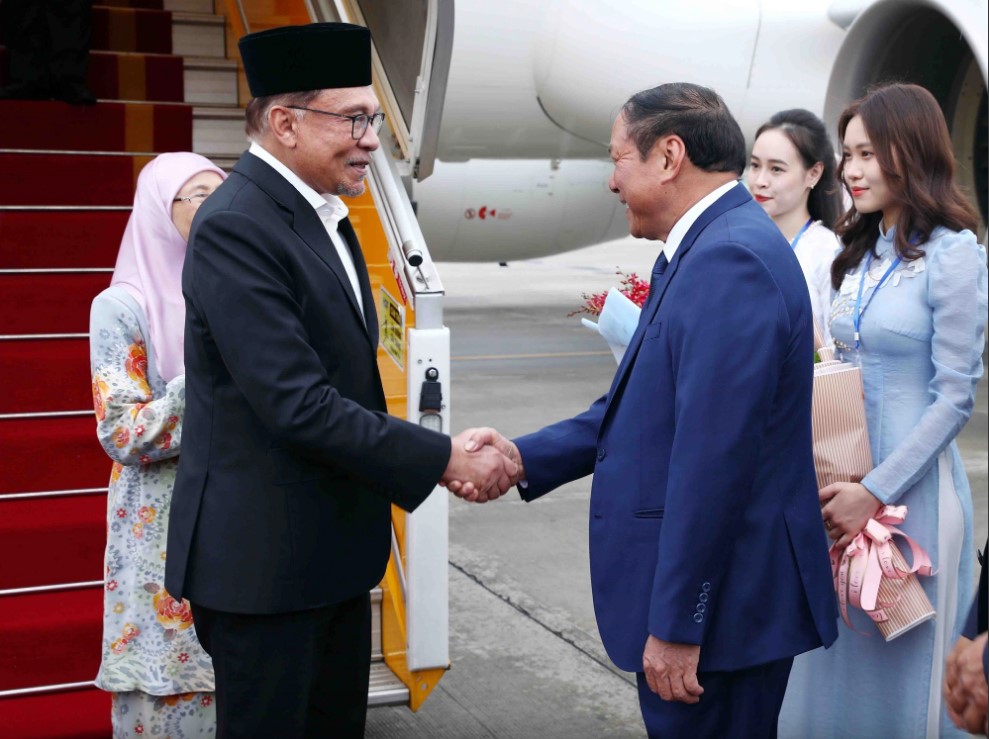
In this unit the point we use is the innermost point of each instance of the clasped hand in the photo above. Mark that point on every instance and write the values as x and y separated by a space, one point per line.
483 466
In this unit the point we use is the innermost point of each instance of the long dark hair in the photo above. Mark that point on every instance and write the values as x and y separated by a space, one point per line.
912 146
810 138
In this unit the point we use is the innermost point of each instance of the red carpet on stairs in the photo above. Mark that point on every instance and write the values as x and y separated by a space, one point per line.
50 124
67 179
113 75
46 362
83 713
60 239
59 453
51 638
132 29
64 543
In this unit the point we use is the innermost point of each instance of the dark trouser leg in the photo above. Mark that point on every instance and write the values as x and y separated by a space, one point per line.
69 30
289 675
741 704
338 704
26 35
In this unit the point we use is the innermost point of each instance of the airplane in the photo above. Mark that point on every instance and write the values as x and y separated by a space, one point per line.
522 166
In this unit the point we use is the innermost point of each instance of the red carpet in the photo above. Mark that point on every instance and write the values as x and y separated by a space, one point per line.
129 29
32 303
73 163
65 239
82 714
114 75
46 362
51 638
68 179
50 124
51 454
75 527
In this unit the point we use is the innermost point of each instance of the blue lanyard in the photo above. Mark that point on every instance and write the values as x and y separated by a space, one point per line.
859 310
796 239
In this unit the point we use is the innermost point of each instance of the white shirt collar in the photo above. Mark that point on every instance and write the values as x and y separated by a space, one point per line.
329 207
681 227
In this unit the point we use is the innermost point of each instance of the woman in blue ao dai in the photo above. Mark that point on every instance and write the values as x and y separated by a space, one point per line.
918 335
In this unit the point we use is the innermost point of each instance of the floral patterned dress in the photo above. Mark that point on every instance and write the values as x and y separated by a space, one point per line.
152 661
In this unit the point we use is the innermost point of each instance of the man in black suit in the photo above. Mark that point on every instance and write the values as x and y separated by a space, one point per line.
280 520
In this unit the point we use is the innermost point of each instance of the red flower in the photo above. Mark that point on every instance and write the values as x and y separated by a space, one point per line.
632 287
138 728
164 441
206 701
121 513
183 658
112 585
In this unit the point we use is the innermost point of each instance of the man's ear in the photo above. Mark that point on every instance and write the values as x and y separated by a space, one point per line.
284 125
669 153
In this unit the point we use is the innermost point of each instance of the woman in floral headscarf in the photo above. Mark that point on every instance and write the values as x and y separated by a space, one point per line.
160 677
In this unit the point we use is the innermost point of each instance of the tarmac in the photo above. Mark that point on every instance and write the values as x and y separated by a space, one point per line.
526 658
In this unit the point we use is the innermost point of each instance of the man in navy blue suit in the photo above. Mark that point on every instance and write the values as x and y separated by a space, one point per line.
709 564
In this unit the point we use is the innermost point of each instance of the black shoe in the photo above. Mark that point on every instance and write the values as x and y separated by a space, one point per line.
25 91
74 93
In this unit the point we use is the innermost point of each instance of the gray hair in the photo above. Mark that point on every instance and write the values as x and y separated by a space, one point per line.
256 115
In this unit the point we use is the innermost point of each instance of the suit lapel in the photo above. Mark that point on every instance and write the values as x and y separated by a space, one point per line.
732 199
363 279
307 224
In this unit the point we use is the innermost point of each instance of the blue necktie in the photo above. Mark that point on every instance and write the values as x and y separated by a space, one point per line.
657 271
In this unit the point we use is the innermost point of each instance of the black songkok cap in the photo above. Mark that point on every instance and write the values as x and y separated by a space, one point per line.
317 56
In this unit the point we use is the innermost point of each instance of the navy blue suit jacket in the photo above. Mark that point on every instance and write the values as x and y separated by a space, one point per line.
290 461
704 520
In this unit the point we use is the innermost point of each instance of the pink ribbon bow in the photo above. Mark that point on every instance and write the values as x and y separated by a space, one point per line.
858 570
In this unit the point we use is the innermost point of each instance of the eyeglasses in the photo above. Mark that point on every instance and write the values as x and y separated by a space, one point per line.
358 123
195 200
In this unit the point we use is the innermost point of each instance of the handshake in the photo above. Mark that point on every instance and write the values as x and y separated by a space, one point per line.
483 465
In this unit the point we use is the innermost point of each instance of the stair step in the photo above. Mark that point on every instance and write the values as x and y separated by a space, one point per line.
76 714
105 127
131 29
195 34
75 459
54 179
385 689
48 302
50 638
139 4
37 239
113 75
54 540
51 375
210 81
190 6
218 132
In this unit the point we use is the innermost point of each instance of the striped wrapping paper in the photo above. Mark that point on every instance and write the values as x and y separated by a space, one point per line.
910 605
841 437
842 454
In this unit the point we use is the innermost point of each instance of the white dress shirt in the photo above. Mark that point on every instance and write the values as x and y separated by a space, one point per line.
330 209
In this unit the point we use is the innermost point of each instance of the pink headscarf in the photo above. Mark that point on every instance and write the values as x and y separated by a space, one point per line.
149 265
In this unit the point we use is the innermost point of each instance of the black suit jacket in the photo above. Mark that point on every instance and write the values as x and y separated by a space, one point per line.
290 460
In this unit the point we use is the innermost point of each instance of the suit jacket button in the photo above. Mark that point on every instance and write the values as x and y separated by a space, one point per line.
701 608
702 597
601 454
706 587
698 618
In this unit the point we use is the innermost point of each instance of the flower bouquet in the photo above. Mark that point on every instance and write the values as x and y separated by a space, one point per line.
618 311
870 573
